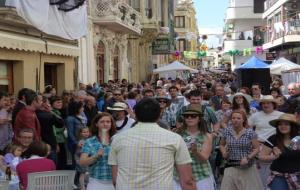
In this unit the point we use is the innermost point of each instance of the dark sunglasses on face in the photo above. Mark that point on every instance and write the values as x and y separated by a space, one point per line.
190 116
162 101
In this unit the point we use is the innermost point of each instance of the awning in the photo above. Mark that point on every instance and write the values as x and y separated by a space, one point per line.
33 44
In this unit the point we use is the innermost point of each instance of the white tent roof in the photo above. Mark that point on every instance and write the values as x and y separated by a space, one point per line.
282 64
174 66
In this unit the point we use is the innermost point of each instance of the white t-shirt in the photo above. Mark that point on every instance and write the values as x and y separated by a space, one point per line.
261 122
127 126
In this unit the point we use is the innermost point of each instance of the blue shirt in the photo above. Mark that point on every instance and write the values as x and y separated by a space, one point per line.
100 169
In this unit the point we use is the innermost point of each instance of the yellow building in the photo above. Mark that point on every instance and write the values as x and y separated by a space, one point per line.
144 52
31 59
186 29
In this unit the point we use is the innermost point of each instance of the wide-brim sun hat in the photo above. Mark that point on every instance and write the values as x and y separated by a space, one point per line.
246 96
192 110
118 106
285 117
268 98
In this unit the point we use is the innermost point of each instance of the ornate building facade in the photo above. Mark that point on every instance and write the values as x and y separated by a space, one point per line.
103 54
120 39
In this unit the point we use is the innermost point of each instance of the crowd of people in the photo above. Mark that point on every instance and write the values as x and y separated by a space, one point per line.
204 133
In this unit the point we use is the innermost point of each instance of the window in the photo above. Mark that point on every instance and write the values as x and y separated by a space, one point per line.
148 9
6 77
179 22
258 6
259 34
135 4
181 45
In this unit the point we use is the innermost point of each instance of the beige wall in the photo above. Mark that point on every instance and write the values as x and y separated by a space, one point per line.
25 64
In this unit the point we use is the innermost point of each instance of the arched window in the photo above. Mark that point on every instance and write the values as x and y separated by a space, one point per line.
116 63
100 62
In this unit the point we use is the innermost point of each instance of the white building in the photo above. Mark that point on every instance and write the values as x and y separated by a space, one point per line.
242 29
283 23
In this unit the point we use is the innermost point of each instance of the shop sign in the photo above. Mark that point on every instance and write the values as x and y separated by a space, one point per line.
161 46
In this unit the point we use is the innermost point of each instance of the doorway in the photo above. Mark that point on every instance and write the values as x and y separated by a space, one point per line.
50 75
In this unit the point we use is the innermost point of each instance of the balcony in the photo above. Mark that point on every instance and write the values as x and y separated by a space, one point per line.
271 6
246 12
237 45
290 35
117 16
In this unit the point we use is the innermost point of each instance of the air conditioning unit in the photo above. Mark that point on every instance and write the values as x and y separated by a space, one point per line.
293 6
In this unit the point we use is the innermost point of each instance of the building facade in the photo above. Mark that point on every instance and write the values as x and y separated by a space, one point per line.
242 32
31 59
187 32
283 28
103 52
120 40
153 48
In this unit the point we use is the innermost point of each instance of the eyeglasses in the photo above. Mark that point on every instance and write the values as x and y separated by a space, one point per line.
117 94
254 88
190 116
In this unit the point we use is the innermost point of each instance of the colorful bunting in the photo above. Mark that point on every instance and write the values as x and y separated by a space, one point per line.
247 52
259 50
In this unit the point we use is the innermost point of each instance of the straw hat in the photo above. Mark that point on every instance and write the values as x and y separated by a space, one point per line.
285 117
268 98
246 96
192 110
118 106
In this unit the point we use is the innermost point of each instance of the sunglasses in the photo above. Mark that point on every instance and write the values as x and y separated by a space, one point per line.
162 101
190 116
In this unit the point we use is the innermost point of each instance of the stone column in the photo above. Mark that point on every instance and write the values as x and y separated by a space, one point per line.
142 7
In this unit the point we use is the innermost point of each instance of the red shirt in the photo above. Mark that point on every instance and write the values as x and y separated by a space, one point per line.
32 166
27 118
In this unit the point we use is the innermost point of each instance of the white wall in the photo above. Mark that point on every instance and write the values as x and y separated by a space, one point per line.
240 3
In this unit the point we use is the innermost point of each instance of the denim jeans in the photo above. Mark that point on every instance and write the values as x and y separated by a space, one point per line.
279 183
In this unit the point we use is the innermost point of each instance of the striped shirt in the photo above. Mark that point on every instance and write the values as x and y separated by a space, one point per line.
145 156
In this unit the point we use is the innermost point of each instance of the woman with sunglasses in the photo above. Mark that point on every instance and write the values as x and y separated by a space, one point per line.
165 115
195 133
239 145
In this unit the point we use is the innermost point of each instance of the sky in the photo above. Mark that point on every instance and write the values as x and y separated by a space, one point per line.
210 17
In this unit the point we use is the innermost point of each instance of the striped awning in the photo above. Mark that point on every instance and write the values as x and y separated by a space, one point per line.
29 43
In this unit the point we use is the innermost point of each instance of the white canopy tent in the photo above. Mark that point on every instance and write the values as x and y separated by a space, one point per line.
173 70
174 66
281 65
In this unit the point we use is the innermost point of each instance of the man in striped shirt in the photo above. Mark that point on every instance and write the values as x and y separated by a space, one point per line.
143 157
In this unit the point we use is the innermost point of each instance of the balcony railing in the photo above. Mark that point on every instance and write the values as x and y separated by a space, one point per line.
287 28
270 3
117 15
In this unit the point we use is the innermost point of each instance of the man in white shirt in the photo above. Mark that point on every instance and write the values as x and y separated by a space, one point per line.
260 122
144 157
123 121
